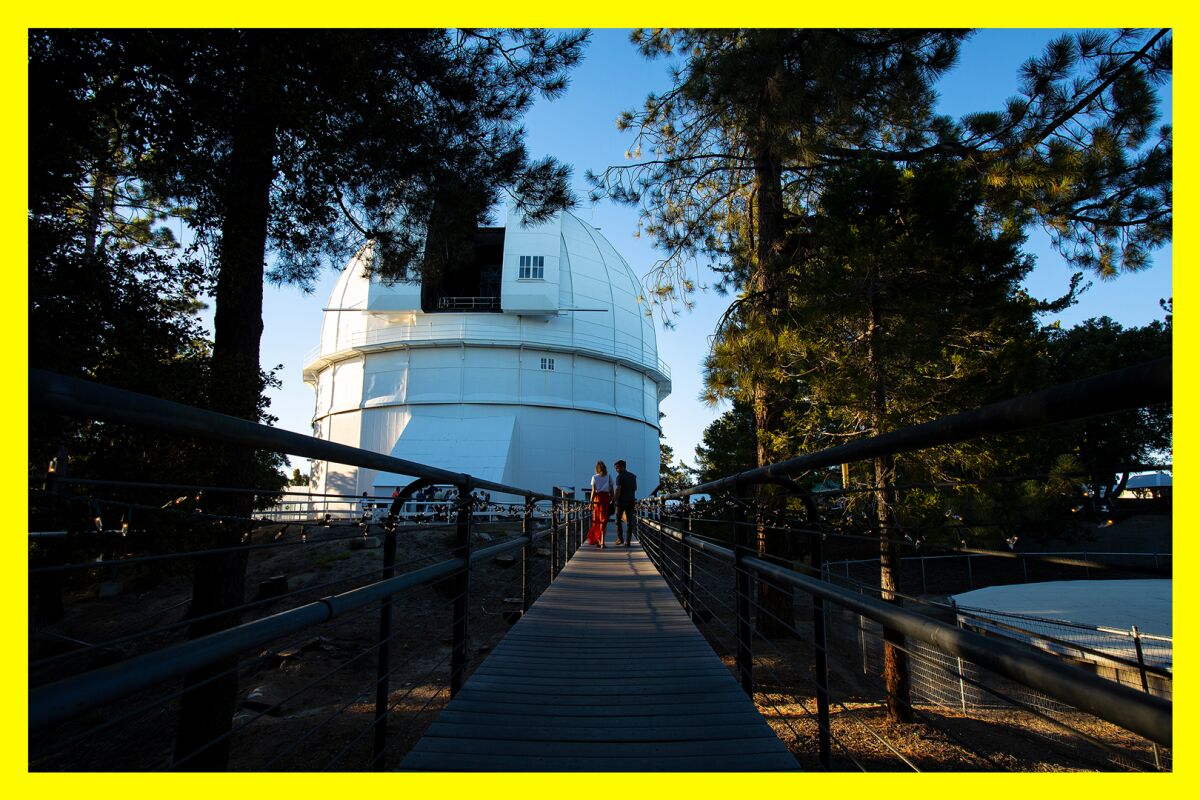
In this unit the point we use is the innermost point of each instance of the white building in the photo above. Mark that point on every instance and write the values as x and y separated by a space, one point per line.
525 367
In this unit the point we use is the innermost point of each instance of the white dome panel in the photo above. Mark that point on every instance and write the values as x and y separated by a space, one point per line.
560 352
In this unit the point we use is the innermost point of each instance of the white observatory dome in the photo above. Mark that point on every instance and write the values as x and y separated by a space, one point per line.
525 367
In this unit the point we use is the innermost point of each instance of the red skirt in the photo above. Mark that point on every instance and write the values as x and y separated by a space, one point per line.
600 502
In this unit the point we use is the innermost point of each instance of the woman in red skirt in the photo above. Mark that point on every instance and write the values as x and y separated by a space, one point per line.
602 492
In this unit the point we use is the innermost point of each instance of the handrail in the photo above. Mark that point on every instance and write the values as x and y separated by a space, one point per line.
1141 713
290 490
58 701
1061 558
1133 387
470 302
49 391
981 620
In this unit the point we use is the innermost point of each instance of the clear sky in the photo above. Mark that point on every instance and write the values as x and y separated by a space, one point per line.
579 129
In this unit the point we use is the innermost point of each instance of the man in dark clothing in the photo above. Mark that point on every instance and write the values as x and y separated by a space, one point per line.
624 499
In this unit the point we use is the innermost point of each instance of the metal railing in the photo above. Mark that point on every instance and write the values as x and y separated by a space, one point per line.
696 566
964 569
469 303
67 712
69 704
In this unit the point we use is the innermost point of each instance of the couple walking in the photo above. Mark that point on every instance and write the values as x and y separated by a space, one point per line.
609 493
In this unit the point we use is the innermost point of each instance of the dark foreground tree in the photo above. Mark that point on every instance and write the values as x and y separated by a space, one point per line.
112 291
303 145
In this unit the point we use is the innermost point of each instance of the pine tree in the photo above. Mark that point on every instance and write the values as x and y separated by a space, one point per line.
737 146
743 146
301 146
1106 447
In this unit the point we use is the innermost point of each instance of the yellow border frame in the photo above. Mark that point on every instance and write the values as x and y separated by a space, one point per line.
13 329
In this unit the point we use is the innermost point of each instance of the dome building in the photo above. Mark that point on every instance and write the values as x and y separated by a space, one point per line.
523 367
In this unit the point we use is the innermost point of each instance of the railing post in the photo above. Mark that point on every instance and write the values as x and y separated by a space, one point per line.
862 633
527 535
384 656
570 544
743 587
1137 646
583 521
559 511
462 590
688 583
820 642
638 512
962 686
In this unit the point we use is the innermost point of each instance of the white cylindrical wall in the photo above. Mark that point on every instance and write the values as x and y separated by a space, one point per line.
566 375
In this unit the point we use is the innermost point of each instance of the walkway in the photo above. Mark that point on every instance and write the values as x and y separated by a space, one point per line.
604 673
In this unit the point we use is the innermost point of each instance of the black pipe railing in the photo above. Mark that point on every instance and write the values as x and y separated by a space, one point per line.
1147 384
1142 713
1139 386
68 698
1134 387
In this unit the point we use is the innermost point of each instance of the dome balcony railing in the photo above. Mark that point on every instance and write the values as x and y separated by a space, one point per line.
469 303
482 331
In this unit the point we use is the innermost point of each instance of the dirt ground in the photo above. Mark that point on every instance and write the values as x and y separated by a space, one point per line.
307 702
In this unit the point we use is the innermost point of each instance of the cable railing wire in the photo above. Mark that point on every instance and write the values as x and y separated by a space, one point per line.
1139 386
928 721
302 690
729 609
189 621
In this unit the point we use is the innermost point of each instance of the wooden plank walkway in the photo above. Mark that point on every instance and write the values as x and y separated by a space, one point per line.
604 673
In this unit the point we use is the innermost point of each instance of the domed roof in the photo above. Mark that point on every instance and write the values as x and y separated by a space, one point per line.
560 284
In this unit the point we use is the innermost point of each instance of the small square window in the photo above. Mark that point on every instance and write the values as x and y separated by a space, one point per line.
548 364
532 268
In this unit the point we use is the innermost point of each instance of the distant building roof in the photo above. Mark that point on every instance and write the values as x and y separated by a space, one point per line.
1149 480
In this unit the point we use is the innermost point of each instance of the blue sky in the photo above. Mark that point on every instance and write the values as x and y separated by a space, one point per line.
579 129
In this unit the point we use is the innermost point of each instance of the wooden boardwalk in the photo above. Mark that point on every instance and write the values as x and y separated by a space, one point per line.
604 673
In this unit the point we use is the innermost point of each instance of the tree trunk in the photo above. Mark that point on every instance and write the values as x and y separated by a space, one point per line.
206 711
895 661
776 613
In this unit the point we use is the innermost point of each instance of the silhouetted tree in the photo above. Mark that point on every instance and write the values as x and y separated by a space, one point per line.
302 145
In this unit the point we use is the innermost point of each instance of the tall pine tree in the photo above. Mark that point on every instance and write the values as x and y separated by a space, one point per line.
301 146
738 147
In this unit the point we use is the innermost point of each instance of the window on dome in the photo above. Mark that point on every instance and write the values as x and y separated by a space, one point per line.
532 268
548 364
